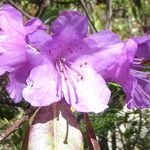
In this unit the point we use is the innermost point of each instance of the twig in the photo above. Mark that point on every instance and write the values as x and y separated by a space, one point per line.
137 137
113 137
20 9
121 136
13 128
94 145
87 14
16 125
9 102
42 5
109 13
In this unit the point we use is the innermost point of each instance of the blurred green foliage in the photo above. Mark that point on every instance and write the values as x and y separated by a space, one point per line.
117 128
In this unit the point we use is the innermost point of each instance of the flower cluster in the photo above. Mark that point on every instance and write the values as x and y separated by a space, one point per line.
70 65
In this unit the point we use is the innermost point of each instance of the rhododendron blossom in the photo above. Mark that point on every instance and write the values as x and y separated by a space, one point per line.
70 65
68 69
13 52
129 73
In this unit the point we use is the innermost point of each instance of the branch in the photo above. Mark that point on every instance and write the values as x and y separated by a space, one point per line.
137 137
20 9
121 136
87 14
42 6
108 13
16 125
13 128
94 145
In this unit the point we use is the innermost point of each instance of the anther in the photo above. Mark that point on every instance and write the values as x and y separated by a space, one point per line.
142 61
81 65
65 78
81 77
62 71
72 109
148 76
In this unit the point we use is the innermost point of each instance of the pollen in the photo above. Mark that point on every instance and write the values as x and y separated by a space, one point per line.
65 78
85 63
81 65
148 76
72 108
81 77
142 61
62 70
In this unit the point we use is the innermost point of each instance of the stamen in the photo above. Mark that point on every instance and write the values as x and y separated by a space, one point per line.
58 85
81 65
148 76
74 72
70 76
65 78
140 66
138 60
142 92
146 62
141 75
81 78
85 63
72 109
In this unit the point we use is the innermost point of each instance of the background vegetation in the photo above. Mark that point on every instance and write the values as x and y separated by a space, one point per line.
117 128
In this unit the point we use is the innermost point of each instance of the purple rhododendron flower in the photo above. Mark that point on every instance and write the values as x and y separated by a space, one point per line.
141 71
143 50
69 63
128 72
13 51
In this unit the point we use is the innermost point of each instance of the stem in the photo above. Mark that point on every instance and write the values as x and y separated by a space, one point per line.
108 13
94 145
16 125
20 9
121 136
137 137
87 14
13 128
42 5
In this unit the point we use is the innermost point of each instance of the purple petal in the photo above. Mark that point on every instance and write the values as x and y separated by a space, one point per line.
119 71
102 39
70 25
41 85
12 34
18 77
12 37
138 94
17 81
11 23
14 55
131 47
84 89
142 39
38 38
143 47
105 48
33 24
